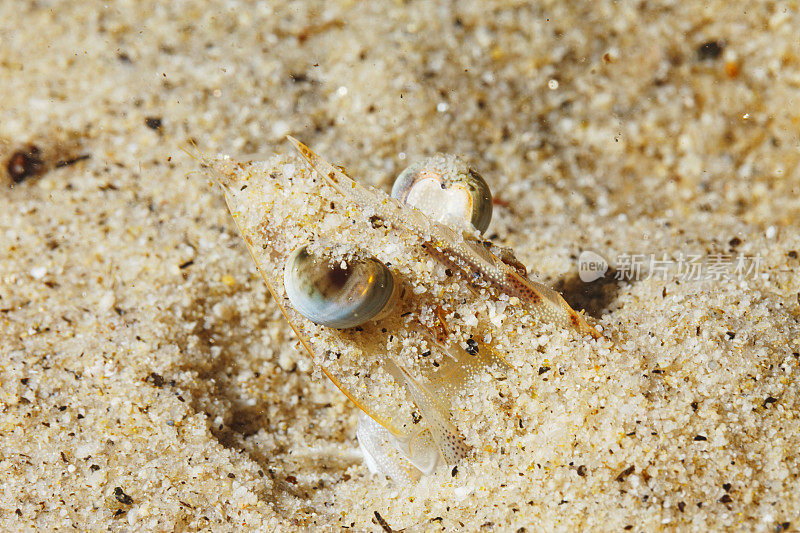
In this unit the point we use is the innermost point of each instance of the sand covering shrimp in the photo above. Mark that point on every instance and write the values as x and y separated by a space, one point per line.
399 306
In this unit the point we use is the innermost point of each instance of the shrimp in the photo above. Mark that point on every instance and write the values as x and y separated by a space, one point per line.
399 300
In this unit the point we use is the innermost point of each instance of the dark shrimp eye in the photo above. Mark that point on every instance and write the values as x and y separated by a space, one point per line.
338 295
446 189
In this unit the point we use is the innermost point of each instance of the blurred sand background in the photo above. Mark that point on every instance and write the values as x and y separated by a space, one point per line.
148 383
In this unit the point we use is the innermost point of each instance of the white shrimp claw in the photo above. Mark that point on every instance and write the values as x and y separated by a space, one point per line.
387 454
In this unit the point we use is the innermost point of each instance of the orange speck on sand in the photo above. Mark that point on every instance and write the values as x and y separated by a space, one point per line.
732 69
497 53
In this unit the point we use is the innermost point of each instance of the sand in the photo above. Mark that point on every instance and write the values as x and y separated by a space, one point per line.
149 382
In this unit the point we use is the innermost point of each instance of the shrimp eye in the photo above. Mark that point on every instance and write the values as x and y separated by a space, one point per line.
445 188
338 294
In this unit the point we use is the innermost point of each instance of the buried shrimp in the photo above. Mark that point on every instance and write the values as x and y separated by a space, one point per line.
399 299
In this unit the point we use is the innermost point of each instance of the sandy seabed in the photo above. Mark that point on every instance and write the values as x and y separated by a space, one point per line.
149 383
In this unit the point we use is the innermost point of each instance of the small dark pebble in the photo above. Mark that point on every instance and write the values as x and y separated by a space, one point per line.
628 527
448 272
291 479
694 406
454 471
382 522
94 468
415 417
72 160
731 335
726 487
625 473
121 497
733 243
681 506
186 264
231 475
725 499
25 163
153 123
700 438
426 353
472 347
543 369
768 400
582 470
792 254
710 50
785 525
156 379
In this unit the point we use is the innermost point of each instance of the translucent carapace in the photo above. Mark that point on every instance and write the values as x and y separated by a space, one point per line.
398 309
